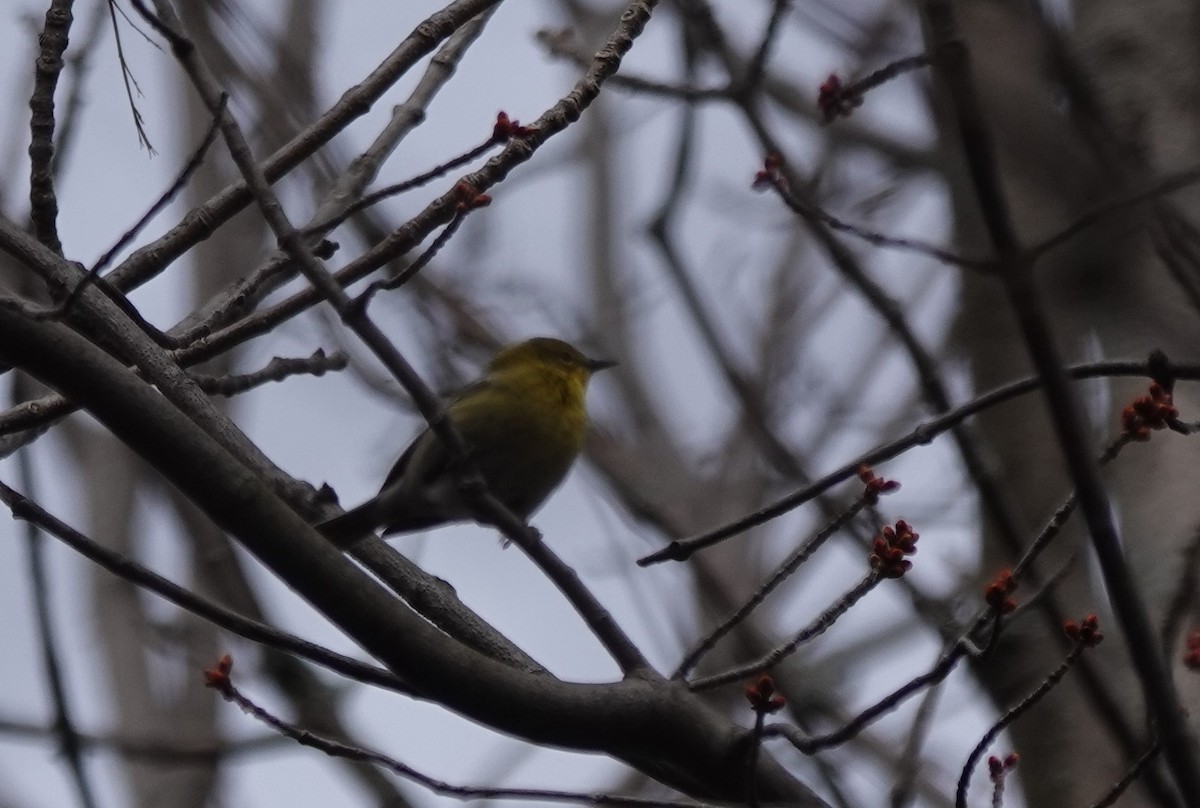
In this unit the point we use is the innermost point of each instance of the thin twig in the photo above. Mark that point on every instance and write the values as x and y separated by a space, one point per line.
405 275
757 65
1130 776
561 43
245 293
354 103
960 648
335 748
167 749
933 388
69 742
814 213
661 229
130 570
922 434
841 99
1048 684
1163 187
131 85
375 197
781 573
909 764
991 493
190 167
760 718
809 744
826 619
276 370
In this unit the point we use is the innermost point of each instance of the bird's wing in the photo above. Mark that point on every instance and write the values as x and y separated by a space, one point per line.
401 464
434 459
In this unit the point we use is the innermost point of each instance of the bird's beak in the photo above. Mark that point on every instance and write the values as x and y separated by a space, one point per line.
594 365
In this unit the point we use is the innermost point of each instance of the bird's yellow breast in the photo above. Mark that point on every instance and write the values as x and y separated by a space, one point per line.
526 445
546 402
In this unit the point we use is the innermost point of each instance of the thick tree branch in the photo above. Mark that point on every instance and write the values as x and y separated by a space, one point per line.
654 725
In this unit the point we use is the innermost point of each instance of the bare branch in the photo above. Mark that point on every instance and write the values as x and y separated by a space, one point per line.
43 202
35 515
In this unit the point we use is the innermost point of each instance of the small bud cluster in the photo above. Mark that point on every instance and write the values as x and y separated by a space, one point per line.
1155 410
507 128
999 767
997 593
217 677
876 486
470 198
762 696
835 100
769 175
890 548
1086 633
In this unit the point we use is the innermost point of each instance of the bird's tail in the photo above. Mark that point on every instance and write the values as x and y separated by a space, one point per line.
352 526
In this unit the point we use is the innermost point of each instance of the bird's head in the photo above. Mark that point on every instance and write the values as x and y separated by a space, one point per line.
545 355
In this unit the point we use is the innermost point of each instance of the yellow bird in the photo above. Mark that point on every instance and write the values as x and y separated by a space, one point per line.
524 423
